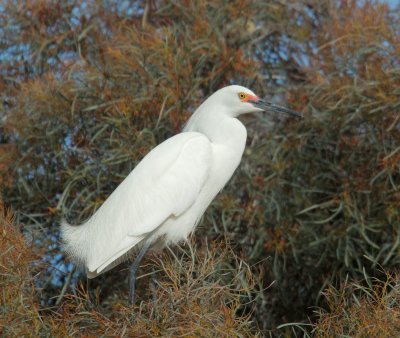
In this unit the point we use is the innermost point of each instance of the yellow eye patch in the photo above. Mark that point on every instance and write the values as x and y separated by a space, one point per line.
244 97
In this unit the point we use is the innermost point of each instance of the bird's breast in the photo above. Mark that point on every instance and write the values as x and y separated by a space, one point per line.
227 148
228 140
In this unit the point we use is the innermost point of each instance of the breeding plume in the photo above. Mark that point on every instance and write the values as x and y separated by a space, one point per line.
164 197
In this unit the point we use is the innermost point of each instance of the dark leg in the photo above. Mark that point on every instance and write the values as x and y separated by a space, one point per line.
133 269
152 285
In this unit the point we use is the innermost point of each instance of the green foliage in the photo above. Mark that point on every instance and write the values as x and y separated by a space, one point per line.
329 195
89 88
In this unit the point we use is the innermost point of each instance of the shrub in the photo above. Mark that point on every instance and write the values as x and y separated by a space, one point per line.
198 294
90 88
370 308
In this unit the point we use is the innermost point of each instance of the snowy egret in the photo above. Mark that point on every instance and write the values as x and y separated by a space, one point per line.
164 197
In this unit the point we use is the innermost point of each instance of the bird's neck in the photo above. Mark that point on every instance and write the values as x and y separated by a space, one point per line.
219 126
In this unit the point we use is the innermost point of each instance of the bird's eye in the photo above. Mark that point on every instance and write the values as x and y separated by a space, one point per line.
242 96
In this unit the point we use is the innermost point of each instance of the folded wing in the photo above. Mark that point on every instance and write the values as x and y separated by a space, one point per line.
164 184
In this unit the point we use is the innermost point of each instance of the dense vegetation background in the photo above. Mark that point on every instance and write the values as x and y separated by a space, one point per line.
304 240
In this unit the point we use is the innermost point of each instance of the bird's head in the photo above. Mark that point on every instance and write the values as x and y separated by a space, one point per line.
241 100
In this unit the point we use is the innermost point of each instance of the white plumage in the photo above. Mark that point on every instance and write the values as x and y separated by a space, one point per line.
169 190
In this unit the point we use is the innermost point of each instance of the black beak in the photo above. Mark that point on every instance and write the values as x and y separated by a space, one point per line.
268 106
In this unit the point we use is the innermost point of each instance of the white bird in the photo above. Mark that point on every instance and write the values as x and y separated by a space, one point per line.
164 197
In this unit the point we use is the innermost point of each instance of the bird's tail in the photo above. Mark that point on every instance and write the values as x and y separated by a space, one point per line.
74 241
